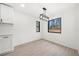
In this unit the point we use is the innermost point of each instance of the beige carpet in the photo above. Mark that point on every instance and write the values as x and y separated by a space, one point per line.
42 48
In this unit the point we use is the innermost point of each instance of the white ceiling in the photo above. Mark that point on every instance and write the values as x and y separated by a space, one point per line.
34 9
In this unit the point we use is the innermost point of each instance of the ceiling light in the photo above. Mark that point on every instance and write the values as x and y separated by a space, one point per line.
43 16
22 5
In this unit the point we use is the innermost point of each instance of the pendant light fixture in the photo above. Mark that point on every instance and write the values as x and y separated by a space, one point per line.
43 15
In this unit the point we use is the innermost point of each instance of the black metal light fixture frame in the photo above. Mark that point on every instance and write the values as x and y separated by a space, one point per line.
43 15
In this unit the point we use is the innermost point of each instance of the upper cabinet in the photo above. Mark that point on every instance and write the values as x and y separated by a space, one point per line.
6 14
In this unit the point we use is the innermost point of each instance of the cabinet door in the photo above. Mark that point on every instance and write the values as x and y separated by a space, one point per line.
10 15
0 13
6 14
5 45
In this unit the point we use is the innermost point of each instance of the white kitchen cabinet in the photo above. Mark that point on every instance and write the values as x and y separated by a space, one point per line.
5 44
6 13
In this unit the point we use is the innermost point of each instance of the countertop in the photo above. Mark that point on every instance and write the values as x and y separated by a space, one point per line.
5 34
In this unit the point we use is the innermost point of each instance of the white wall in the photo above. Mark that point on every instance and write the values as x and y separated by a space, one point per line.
68 33
24 29
77 26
